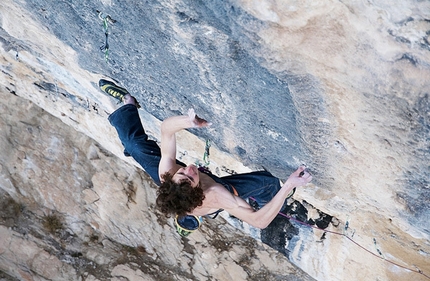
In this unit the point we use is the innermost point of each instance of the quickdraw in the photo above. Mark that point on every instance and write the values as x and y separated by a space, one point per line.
206 160
206 154
106 20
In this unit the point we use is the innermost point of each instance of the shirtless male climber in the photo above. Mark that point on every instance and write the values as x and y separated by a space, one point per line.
187 191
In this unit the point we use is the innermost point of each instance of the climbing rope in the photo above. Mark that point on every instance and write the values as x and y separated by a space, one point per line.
381 256
106 20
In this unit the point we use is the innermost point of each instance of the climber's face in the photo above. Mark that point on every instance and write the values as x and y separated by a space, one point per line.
189 173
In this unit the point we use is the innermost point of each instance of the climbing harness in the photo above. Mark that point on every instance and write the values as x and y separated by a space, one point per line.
106 20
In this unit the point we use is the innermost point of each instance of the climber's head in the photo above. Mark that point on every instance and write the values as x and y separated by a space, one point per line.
180 193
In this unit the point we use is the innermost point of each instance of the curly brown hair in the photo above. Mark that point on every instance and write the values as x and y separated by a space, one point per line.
178 198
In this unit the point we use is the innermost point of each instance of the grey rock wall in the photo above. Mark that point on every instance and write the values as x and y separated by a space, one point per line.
177 55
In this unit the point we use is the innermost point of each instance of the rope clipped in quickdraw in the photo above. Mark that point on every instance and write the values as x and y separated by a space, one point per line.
206 154
106 20
206 161
377 248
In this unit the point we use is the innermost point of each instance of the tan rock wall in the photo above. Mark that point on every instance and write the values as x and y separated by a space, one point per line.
109 228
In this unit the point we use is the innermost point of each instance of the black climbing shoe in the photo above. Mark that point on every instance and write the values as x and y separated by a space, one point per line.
115 91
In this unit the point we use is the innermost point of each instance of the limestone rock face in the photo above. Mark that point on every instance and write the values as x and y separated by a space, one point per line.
340 86
71 210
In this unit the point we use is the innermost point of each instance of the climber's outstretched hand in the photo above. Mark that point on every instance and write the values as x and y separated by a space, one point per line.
196 121
300 177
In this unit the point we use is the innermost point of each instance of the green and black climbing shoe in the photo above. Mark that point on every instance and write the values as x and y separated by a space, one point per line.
115 91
